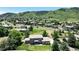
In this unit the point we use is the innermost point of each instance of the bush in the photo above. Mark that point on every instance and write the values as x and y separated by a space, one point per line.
55 46
27 34
55 34
31 28
77 44
3 32
64 47
71 40
45 34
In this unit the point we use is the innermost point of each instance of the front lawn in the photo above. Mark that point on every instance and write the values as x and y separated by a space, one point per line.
29 47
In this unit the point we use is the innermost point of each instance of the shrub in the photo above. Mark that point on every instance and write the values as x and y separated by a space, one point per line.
71 40
45 34
64 47
55 46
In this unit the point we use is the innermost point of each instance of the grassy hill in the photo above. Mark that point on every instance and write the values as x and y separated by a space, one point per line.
62 14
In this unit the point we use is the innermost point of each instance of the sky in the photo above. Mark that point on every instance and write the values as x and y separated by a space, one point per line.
24 9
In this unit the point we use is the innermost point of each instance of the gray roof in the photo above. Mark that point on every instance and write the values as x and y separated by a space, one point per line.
35 36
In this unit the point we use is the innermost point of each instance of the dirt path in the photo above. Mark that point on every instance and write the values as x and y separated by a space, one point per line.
49 31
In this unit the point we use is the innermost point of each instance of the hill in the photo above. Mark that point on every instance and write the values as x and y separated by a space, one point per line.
62 14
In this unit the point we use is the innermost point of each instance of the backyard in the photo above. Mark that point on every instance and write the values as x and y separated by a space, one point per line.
40 30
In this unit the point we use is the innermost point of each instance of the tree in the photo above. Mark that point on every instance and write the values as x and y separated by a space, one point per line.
77 44
14 39
71 39
3 32
64 47
27 34
31 28
55 35
55 46
12 44
45 34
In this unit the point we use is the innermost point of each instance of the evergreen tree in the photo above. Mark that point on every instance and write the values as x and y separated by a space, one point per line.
55 35
31 28
55 46
45 34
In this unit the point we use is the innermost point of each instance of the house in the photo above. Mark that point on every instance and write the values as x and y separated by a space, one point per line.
6 24
47 40
76 36
40 24
22 27
68 27
37 39
20 22
48 25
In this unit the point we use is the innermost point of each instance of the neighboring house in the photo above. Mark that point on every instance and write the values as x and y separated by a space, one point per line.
21 27
21 22
6 24
60 27
77 36
68 27
37 39
55 26
40 24
48 24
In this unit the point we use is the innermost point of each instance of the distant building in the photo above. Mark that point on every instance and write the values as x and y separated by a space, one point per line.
68 27
21 27
21 22
77 36
6 24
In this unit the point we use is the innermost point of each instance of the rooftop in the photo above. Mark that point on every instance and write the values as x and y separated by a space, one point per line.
35 36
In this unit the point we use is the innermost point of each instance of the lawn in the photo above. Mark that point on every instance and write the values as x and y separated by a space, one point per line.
40 30
37 31
29 47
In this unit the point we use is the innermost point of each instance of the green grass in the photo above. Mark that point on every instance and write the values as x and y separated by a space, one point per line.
22 47
37 31
29 47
